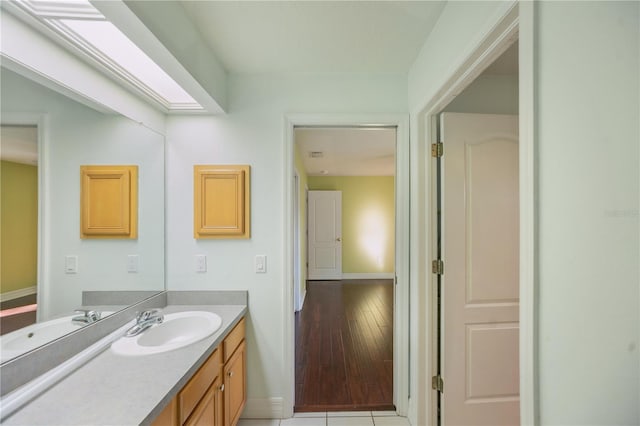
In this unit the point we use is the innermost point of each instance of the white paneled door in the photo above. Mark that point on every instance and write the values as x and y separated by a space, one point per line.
479 359
325 235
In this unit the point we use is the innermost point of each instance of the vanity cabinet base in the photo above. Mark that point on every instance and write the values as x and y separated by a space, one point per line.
216 393
234 386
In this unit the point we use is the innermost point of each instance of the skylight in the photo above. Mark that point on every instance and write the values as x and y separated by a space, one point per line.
81 24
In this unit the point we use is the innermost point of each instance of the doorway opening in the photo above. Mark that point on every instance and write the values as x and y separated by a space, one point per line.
344 300
19 228
477 271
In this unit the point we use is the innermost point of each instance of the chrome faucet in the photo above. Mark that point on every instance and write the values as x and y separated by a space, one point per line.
144 320
88 316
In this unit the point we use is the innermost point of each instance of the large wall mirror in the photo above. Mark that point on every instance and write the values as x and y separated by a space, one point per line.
46 265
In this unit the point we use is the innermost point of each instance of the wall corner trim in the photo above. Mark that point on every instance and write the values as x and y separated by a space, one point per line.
263 408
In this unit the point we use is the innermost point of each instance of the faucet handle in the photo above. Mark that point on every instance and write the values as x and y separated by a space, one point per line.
145 315
91 314
141 316
88 316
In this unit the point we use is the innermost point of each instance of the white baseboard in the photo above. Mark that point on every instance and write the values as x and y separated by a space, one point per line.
412 412
15 294
369 276
263 408
303 296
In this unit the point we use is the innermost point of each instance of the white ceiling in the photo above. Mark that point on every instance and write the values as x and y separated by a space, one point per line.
19 144
347 151
322 37
314 36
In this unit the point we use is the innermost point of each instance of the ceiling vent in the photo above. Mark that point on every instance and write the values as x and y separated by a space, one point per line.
316 154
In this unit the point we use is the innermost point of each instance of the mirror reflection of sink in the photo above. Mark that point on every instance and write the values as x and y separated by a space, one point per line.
35 335
178 330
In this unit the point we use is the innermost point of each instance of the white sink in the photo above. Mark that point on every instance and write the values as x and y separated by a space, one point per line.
176 331
35 335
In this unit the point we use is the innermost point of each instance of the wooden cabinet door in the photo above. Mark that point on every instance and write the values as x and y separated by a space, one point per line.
168 416
235 394
196 389
218 417
221 201
109 202
208 412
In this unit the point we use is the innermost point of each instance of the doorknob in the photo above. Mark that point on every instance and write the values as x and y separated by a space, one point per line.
338 239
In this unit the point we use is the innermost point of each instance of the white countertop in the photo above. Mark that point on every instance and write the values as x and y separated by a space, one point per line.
121 390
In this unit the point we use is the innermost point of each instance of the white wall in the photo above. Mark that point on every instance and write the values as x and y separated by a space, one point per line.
77 135
253 133
588 136
588 132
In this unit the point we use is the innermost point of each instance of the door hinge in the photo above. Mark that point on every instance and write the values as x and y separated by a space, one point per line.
437 149
437 267
437 383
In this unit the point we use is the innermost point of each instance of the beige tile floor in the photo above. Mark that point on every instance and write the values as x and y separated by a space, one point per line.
338 418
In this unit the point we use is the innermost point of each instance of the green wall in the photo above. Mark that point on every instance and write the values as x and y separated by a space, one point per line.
19 226
302 217
368 221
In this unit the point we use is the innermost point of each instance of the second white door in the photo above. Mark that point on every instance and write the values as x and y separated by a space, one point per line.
325 235
480 282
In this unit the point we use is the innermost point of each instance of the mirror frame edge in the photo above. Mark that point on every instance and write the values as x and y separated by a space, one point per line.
40 120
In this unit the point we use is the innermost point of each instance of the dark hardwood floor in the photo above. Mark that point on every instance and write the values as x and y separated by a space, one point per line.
344 346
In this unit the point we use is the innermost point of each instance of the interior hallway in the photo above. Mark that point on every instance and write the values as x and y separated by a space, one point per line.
344 346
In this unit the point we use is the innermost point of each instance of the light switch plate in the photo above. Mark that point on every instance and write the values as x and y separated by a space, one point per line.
71 264
133 263
201 263
261 263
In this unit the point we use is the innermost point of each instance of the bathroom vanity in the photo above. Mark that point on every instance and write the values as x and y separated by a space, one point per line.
201 383
216 393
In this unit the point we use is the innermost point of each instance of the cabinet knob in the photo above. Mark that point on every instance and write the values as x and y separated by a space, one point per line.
230 373
222 387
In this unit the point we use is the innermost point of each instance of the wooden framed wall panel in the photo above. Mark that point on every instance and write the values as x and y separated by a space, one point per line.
109 202
222 196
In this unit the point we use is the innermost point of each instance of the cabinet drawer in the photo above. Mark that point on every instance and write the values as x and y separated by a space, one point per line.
196 388
233 340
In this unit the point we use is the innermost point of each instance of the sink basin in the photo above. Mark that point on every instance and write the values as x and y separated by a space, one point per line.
178 330
35 335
